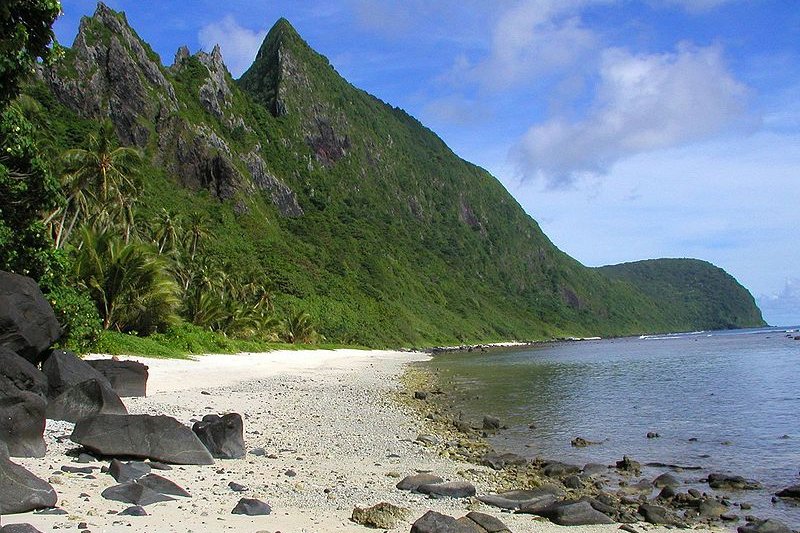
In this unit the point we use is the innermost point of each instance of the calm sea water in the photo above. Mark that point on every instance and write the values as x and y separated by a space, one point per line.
736 392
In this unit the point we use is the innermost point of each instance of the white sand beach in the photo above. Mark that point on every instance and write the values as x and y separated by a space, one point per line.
327 416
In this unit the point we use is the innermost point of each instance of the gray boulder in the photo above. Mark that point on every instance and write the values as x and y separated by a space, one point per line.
558 469
21 491
658 515
223 436
765 526
133 492
91 397
122 472
666 480
160 438
574 514
28 325
789 492
127 378
22 406
162 485
433 522
19 528
64 370
499 461
453 489
251 507
382 515
728 482
413 482
486 522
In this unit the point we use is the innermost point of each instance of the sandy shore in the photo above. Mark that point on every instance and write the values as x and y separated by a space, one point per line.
328 416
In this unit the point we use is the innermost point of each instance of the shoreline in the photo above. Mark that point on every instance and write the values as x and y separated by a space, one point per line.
338 430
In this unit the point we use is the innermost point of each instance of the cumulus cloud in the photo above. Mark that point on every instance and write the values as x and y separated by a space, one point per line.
783 308
532 38
239 45
643 102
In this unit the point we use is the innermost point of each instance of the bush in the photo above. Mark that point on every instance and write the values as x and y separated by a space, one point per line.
78 317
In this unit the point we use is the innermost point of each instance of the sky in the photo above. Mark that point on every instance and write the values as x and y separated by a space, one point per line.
627 129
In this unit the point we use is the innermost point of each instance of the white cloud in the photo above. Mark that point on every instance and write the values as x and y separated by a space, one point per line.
696 6
782 308
239 44
534 37
643 103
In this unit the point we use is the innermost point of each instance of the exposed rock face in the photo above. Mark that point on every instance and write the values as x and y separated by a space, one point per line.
21 491
28 325
90 397
127 378
160 438
114 75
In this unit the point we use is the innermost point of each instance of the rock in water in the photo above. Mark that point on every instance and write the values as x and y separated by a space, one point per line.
251 507
658 515
28 325
765 526
728 482
412 482
382 515
127 378
64 370
666 480
433 522
790 492
223 436
132 492
491 423
160 438
91 397
21 491
574 514
22 406
453 489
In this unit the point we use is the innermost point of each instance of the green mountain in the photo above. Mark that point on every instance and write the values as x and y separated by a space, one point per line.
355 211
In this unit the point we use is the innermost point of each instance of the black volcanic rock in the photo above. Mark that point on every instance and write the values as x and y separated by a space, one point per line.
64 370
28 325
251 507
122 472
127 378
160 438
574 514
132 492
91 397
22 406
21 491
21 374
222 435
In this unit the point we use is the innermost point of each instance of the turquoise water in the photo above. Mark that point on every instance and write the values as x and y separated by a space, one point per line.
736 392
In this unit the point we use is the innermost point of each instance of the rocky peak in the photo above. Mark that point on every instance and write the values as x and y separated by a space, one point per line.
180 55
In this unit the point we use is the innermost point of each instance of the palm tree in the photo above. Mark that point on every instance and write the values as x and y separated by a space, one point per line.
99 185
196 230
167 230
297 328
128 283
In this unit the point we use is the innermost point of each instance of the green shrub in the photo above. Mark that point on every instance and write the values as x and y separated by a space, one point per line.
78 317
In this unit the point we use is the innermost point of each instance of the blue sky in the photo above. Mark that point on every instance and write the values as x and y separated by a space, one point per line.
627 129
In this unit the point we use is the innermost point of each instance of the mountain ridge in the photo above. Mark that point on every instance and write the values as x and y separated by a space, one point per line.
357 212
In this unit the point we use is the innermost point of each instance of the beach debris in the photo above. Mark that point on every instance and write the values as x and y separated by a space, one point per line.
452 489
414 481
729 482
122 472
491 423
84 399
236 487
382 515
27 321
22 413
223 436
258 452
135 493
21 491
789 492
251 507
430 440
127 378
764 526
160 438
571 513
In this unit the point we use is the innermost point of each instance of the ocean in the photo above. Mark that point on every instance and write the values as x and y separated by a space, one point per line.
725 401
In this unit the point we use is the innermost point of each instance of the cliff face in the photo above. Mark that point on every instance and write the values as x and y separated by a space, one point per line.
357 212
110 73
